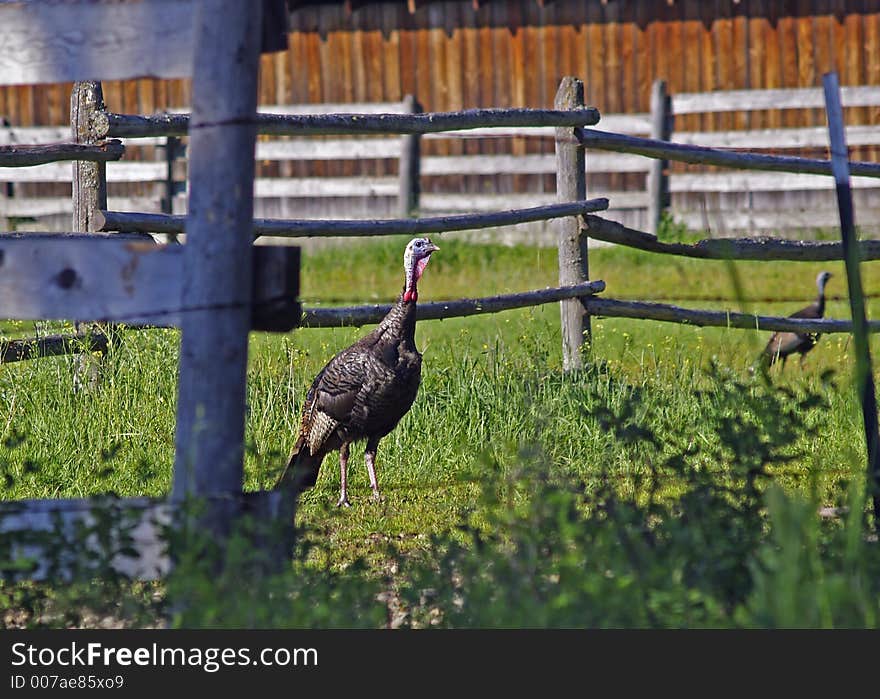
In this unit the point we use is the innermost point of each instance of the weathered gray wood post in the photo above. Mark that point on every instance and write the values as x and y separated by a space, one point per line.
658 179
6 190
571 185
410 158
89 195
172 146
89 178
217 262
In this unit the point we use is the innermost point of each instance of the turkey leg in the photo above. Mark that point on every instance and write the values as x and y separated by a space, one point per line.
343 476
370 459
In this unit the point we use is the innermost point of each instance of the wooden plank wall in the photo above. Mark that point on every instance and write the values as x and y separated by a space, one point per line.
452 56
514 54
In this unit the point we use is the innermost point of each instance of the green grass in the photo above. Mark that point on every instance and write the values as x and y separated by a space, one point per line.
492 390
489 381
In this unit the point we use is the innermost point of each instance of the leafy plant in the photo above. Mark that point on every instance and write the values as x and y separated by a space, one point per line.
543 549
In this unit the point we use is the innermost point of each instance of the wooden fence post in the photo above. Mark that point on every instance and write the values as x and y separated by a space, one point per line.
7 190
410 159
862 348
571 185
172 145
89 195
89 178
658 178
217 262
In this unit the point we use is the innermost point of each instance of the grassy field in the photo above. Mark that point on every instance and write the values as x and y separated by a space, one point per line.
492 397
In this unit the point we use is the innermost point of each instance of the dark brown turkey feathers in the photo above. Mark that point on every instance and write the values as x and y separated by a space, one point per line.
364 391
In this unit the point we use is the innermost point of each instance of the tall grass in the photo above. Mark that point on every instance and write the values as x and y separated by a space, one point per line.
493 397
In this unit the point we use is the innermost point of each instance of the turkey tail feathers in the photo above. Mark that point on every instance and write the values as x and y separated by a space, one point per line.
301 471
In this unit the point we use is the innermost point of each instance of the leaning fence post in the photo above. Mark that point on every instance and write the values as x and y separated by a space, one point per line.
410 185
89 191
571 185
658 178
851 257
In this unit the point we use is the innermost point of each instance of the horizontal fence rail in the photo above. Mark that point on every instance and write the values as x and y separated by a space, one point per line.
791 137
773 220
365 315
801 299
133 171
109 124
341 149
56 42
35 135
51 346
624 123
144 519
774 181
653 148
371 196
758 249
640 310
29 155
34 207
781 98
163 223
129 279
43 524
327 108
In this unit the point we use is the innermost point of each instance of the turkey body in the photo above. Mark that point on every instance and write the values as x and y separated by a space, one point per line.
783 344
361 394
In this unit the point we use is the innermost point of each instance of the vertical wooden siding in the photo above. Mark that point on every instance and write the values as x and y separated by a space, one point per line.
514 53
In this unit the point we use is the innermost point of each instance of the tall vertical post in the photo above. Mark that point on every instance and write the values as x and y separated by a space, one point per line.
571 185
658 179
89 195
172 144
217 273
6 189
89 179
410 159
864 375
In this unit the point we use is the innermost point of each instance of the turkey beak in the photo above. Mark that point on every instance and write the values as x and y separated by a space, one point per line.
431 248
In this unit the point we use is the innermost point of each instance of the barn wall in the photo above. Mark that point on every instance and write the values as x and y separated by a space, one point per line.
514 53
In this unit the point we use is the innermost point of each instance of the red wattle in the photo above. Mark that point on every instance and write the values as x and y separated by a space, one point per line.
410 295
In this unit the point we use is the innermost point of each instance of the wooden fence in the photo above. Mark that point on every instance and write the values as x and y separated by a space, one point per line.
126 279
216 288
219 287
571 182
599 228
382 175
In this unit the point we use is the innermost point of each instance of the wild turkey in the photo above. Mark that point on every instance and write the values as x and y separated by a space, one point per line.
364 391
782 344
